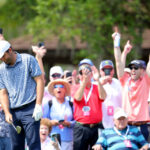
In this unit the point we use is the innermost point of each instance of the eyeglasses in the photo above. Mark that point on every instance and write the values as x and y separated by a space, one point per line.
56 75
134 67
58 86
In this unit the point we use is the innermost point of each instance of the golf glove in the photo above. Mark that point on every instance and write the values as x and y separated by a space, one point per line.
37 113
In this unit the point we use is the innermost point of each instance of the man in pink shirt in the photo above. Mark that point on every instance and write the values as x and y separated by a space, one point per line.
135 87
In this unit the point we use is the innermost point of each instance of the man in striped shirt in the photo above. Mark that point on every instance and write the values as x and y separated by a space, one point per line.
122 136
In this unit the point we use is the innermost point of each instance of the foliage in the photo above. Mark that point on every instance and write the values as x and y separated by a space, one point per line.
91 20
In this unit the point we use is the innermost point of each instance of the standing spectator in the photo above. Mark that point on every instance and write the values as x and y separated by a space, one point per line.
135 88
60 112
121 136
5 143
21 92
88 100
46 141
112 87
55 72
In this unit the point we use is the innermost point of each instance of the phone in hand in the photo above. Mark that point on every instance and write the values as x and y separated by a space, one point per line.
54 137
1 31
107 71
61 121
41 44
68 74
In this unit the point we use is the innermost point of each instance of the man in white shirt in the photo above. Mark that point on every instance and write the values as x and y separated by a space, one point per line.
113 89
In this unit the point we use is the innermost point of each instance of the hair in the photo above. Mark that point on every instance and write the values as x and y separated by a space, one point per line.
46 122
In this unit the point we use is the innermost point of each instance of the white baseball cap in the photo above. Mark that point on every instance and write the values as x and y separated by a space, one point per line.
4 46
56 69
119 112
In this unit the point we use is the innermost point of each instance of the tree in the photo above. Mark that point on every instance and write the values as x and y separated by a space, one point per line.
91 20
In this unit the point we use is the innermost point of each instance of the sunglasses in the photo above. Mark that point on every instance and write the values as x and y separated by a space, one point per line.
56 75
58 86
134 67
86 67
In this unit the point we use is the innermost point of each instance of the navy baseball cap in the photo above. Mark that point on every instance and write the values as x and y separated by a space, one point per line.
106 63
86 61
137 63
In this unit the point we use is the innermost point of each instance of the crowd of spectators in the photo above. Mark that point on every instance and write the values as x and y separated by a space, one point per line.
81 109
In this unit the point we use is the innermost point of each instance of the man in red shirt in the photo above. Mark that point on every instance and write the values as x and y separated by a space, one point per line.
88 100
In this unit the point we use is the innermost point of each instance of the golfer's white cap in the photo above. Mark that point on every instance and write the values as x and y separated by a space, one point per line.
4 46
119 112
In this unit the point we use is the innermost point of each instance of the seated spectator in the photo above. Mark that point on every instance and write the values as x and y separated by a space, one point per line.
60 112
46 141
121 136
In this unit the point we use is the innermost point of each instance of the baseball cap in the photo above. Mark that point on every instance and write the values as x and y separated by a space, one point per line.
136 63
86 61
4 46
119 112
56 69
143 64
105 63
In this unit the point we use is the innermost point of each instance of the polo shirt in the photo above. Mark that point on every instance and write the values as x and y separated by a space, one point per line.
110 140
95 104
135 97
19 81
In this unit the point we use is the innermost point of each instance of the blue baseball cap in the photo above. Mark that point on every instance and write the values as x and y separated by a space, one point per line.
106 63
86 61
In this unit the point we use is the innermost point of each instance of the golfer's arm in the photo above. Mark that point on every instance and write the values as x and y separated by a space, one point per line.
39 89
4 100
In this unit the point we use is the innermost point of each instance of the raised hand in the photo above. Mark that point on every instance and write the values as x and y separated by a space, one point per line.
127 47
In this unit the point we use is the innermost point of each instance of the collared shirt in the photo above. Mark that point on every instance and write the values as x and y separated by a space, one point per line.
60 111
135 96
94 103
110 140
19 81
4 126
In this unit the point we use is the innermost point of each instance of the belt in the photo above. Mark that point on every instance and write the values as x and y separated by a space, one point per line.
137 123
24 106
88 125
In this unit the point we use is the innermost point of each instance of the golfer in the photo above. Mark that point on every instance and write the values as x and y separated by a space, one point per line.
21 92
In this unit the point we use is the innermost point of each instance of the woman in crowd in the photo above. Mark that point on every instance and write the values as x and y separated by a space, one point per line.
60 112
46 141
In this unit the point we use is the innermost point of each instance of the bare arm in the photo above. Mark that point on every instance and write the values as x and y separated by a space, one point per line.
39 89
39 54
101 90
148 67
145 147
79 93
5 104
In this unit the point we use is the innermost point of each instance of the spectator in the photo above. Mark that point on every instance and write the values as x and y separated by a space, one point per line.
135 87
60 112
88 100
46 141
55 72
5 143
21 92
112 87
121 136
